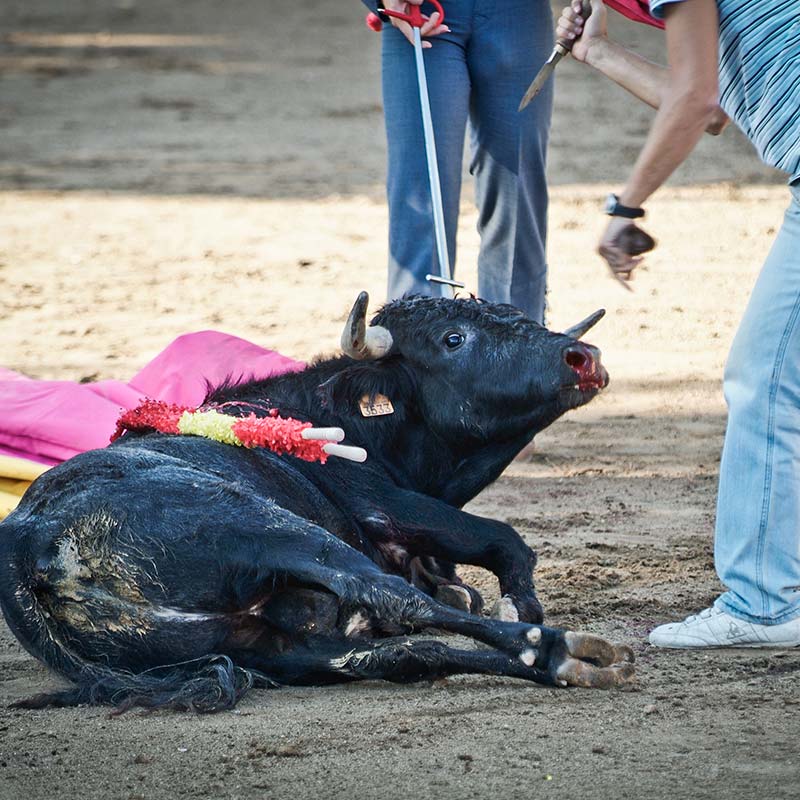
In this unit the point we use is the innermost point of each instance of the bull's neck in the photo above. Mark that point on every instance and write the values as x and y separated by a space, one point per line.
401 442
476 471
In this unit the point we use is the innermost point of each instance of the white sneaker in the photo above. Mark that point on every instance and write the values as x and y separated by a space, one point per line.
713 627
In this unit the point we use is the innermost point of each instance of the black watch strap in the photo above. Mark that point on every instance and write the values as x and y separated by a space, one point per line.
615 209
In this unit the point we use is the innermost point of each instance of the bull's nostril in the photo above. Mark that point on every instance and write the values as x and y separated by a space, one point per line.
576 358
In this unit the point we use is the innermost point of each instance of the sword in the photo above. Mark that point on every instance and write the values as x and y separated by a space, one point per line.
562 48
444 280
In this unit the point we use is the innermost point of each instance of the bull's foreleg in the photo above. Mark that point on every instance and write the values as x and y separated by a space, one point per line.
428 527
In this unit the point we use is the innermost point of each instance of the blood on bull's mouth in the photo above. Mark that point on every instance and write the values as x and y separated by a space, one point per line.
597 383
591 375
594 385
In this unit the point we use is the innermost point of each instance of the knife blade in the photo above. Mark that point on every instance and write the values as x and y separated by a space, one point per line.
562 48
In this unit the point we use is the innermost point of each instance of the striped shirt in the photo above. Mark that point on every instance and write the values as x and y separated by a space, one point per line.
759 74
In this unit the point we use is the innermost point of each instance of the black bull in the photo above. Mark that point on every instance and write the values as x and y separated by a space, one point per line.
177 571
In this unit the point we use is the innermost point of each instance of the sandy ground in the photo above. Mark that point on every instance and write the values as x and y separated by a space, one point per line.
174 167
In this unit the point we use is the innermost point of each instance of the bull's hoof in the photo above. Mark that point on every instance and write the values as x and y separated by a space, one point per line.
449 594
505 610
510 608
595 663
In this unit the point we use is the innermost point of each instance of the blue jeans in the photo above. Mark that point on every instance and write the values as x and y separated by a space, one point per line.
757 548
477 73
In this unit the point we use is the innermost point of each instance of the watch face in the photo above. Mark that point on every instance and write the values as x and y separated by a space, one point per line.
611 203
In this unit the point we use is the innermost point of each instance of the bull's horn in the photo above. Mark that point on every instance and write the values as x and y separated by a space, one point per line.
360 341
576 331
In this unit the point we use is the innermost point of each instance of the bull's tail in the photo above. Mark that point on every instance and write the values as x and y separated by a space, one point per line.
208 684
205 685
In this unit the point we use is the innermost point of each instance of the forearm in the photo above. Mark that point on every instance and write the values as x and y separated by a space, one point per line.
645 80
679 124
689 101
676 129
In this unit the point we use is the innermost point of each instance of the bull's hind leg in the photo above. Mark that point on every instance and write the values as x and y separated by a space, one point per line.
538 653
323 660
313 557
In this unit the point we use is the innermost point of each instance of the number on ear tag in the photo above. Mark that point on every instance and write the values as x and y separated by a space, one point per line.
379 406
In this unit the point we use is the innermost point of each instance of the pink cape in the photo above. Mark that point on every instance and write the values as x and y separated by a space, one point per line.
51 421
638 10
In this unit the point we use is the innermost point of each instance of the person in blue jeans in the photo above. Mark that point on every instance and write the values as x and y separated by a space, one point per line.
746 57
478 66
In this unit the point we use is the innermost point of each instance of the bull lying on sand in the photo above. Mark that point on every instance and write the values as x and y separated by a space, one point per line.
177 571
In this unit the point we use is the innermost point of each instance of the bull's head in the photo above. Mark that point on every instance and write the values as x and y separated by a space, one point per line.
458 387
483 369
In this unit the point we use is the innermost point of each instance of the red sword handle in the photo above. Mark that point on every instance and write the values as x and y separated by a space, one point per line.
414 18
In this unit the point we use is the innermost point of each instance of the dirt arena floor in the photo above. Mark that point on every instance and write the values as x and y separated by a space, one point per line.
170 167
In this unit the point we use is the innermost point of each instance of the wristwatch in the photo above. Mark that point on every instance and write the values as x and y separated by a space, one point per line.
615 209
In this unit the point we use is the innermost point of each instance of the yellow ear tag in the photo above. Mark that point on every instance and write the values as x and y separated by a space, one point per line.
379 406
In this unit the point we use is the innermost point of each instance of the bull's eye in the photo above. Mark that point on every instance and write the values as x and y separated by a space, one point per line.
453 340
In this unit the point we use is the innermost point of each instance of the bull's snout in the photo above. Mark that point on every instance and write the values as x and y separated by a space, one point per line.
584 361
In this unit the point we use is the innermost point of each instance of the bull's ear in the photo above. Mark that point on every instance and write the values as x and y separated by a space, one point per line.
346 391
576 331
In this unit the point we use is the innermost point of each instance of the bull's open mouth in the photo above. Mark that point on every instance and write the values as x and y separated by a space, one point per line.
596 382
586 387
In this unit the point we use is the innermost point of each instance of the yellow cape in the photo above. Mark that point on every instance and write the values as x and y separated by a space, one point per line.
16 475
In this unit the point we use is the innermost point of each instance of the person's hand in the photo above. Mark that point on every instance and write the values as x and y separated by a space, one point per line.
430 27
622 246
571 26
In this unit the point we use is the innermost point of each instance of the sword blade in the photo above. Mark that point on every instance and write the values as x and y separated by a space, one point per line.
440 235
